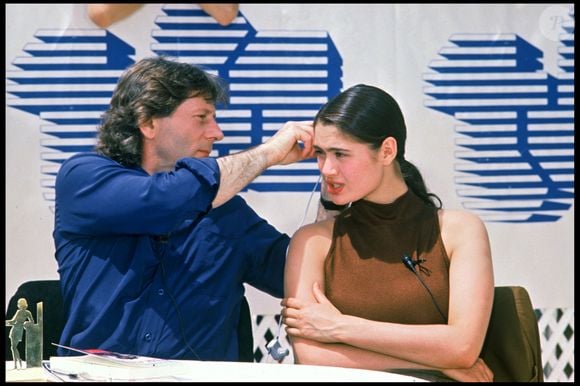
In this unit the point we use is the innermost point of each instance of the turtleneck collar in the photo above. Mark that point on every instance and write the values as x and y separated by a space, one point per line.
389 230
404 207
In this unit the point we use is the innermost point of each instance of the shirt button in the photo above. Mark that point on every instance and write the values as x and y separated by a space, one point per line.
147 337
160 291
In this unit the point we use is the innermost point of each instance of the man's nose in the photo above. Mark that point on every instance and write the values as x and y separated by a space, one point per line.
214 132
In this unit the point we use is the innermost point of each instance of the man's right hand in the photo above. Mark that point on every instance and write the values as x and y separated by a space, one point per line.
292 143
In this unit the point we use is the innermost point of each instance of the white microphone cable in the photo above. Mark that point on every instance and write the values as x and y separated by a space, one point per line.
274 348
309 201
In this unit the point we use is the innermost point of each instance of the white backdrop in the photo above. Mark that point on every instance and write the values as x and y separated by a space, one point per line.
390 46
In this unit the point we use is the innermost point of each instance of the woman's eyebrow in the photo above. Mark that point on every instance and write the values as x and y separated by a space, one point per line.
343 150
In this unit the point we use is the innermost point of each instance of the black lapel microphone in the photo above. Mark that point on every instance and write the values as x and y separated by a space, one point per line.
410 263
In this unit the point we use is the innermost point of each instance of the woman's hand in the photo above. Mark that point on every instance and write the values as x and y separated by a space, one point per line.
479 372
312 320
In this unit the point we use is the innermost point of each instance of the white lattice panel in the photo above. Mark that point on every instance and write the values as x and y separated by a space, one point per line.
557 339
556 327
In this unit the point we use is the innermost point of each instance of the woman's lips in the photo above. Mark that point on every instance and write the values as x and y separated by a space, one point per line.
334 188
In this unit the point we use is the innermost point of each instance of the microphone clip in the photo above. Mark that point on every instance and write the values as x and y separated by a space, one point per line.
410 263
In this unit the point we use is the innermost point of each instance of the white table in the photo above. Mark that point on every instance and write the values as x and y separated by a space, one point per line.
35 374
207 371
274 372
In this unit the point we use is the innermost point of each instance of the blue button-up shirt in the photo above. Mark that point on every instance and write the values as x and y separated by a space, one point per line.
148 268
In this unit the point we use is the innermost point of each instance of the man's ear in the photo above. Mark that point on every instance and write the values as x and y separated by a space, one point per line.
389 150
148 129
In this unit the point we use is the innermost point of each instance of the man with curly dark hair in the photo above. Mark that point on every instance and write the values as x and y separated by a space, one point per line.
153 243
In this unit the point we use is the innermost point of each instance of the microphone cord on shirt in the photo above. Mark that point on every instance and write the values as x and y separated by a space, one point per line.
410 264
179 316
432 297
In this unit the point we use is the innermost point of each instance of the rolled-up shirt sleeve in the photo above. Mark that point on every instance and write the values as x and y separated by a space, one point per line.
97 196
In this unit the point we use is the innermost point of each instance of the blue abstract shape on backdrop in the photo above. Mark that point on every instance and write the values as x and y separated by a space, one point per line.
68 76
515 143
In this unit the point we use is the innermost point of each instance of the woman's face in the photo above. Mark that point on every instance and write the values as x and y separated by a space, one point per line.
350 169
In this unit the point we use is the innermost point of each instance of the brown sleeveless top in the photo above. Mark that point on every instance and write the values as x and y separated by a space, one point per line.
364 273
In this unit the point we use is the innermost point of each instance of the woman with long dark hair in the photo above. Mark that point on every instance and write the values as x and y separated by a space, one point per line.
394 281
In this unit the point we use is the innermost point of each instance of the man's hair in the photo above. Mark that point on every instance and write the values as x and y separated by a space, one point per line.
151 88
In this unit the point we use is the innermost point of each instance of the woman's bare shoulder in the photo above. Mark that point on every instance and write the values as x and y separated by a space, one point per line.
319 228
456 218
460 228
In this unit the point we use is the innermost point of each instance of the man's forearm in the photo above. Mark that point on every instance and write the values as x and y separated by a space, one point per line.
237 171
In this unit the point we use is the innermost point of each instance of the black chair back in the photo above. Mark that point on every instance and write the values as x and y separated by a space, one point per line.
245 335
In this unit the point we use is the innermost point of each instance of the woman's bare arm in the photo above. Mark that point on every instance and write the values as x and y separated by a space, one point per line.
455 345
